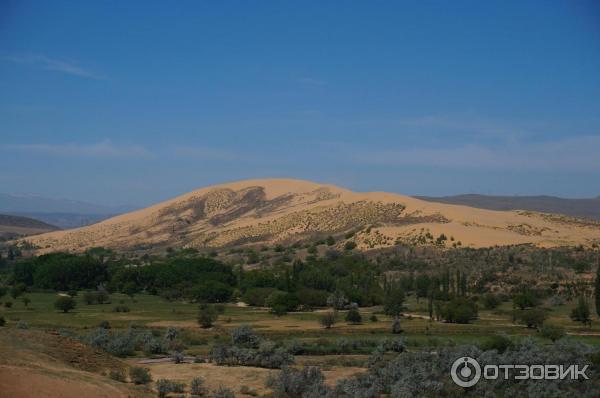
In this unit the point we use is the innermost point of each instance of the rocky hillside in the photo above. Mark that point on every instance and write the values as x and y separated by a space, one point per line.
274 211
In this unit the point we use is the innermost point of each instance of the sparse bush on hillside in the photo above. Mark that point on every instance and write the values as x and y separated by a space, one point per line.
297 383
223 392
22 325
118 375
198 387
2 321
139 375
164 387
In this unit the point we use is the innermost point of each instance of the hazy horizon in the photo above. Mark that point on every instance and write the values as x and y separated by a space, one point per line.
130 104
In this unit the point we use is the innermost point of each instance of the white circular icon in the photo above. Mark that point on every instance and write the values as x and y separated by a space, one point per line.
465 372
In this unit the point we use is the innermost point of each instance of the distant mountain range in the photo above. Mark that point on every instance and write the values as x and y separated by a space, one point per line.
11 226
63 213
584 208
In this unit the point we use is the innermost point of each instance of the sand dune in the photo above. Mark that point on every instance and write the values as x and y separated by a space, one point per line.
283 210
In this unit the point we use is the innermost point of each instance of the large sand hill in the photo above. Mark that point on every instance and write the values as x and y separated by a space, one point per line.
283 210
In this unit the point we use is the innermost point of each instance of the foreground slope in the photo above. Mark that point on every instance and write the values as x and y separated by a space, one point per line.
281 210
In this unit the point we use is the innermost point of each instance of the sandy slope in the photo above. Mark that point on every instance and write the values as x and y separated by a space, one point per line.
280 210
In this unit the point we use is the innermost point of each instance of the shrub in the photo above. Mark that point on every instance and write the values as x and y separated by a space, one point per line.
297 383
552 332
26 301
171 334
177 357
139 375
65 303
198 388
373 318
328 320
350 245
2 321
164 387
556 301
353 316
244 336
104 325
248 391
499 342
8 304
90 297
330 241
22 325
223 392
396 327
207 315
117 375
490 301
121 308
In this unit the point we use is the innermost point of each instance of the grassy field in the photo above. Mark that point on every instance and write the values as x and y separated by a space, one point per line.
155 312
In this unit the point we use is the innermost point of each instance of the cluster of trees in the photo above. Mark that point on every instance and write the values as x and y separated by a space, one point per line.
246 348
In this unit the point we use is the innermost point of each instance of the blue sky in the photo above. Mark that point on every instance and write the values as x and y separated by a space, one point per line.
134 102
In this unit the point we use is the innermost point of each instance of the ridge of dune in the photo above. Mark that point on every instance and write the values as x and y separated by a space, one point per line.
267 211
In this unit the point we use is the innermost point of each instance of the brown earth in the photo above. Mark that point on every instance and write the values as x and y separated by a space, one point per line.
42 364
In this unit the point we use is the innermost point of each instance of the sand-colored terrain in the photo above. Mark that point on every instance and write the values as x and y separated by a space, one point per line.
274 211
40 364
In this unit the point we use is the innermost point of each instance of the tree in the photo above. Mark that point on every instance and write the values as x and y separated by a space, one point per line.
525 300
459 310
393 303
26 301
533 318
65 303
328 320
282 302
581 312
90 297
207 315
353 316
102 295
490 301
396 327
337 300
552 332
